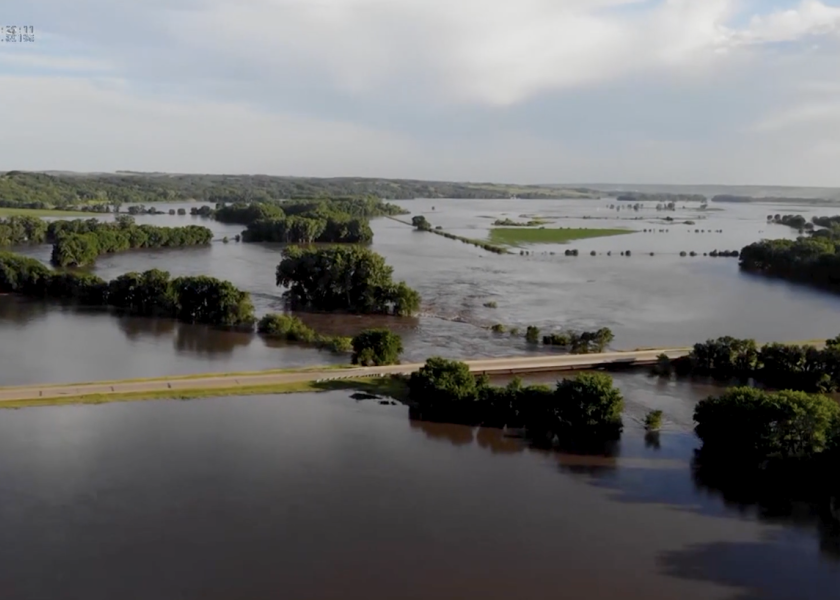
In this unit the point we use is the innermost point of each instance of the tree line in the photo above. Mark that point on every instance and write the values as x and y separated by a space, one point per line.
781 366
343 278
585 408
197 299
43 191
79 243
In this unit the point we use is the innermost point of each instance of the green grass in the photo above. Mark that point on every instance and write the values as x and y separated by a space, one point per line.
192 376
36 212
514 236
392 387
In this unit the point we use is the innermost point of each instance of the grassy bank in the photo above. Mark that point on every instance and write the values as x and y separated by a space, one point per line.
193 376
514 236
37 212
392 387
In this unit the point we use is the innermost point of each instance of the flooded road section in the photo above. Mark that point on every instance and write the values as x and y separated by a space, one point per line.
320 497
648 301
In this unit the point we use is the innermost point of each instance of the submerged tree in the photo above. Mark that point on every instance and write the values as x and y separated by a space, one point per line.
343 278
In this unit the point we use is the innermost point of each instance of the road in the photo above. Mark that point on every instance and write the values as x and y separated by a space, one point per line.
498 366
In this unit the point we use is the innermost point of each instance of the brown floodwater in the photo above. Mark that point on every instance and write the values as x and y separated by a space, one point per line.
320 497
660 300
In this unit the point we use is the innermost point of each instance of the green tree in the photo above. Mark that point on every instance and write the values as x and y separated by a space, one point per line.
589 404
752 425
343 278
420 223
377 347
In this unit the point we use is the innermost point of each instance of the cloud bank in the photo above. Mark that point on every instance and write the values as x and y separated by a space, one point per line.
674 91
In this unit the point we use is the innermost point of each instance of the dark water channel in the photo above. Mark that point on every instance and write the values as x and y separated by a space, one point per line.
660 300
321 497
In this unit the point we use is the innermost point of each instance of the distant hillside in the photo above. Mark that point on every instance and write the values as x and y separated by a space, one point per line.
762 193
127 186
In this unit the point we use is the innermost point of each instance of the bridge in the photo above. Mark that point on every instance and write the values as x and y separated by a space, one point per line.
185 383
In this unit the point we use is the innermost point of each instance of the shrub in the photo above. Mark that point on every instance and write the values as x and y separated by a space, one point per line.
653 420
532 335
376 347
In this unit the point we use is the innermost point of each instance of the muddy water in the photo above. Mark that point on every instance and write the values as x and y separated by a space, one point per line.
321 498
658 300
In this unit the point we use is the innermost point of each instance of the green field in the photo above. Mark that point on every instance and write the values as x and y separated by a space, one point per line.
36 212
515 236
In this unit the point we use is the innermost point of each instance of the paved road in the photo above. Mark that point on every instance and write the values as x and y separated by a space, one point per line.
519 364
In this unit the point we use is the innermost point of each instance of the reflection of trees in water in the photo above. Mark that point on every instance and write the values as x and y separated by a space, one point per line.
652 440
761 570
20 311
198 339
201 339
137 327
789 499
457 435
497 442
596 459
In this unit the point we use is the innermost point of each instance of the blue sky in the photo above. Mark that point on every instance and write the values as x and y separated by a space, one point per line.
670 91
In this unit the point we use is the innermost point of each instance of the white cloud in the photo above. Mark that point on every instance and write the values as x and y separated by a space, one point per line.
376 87
810 17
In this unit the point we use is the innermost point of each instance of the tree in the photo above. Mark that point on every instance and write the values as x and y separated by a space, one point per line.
377 347
420 223
588 405
751 425
445 388
343 278
532 335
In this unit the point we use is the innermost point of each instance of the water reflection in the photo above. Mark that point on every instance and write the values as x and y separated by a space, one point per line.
136 328
657 469
19 312
207 340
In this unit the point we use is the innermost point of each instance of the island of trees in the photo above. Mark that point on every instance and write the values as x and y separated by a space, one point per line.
198 299
658 197
584 409
343 279
79 242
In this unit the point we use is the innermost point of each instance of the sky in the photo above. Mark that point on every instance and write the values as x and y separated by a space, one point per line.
518 91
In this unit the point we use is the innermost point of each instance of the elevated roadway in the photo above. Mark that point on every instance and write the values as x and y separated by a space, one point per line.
185 383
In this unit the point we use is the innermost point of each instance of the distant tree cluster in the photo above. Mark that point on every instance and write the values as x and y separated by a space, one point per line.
80 242
197 299
657 197
343 278
587 407
327 229
22 230
797 222
781 366
584 342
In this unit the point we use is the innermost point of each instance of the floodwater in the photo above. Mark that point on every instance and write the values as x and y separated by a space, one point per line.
320 497
648 301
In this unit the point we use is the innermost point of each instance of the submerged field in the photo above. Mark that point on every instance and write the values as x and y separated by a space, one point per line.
515 236
37 212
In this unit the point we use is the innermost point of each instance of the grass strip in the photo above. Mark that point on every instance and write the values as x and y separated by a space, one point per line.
6 211
188 377
392 387
515 236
